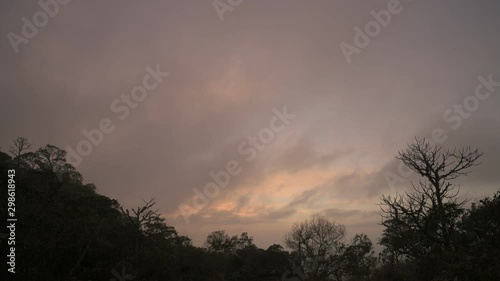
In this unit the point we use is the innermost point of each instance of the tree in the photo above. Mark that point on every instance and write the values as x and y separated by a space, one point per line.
275 259
245 242
358 260
48 158
275 248
317 244
479 256
143 219
421 224
75 236
19 147
220 242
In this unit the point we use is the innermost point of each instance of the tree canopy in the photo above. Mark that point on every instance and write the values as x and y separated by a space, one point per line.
66 230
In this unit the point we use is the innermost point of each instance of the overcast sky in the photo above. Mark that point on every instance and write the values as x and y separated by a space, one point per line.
229 72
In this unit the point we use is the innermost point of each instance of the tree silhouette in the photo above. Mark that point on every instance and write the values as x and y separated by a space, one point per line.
67 231
317 243
19 147
421 224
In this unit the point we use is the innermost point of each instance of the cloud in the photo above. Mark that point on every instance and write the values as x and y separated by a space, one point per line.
281 213
348 215
225 80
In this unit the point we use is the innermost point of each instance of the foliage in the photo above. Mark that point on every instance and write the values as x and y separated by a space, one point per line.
68 231
318 247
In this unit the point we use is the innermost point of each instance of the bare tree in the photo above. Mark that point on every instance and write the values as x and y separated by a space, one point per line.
148 223
317 243
431 210
19 147
139 218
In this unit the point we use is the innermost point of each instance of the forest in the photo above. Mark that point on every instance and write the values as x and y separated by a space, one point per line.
66 230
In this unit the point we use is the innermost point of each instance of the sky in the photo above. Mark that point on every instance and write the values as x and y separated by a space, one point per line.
301 112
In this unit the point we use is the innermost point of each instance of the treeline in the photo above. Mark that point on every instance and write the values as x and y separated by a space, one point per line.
65 230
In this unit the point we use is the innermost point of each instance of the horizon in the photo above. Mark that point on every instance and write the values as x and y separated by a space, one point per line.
251 117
